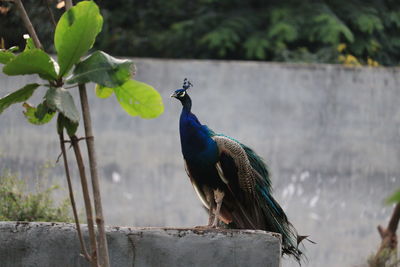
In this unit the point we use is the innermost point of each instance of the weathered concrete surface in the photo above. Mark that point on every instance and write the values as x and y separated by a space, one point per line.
56 244
330 134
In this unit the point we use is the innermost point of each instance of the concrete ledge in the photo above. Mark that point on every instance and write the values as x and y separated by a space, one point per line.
56 244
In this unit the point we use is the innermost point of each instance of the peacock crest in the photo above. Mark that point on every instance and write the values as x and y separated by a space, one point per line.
187 84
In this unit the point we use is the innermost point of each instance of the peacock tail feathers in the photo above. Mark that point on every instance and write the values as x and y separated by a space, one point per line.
275 219
256 161
258 164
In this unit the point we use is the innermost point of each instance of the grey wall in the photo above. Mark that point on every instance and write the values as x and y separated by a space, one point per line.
330 135
49 245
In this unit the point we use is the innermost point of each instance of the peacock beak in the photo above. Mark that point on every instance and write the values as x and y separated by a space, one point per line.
174 95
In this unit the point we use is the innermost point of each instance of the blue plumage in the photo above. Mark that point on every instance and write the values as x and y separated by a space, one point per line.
195 140
231 180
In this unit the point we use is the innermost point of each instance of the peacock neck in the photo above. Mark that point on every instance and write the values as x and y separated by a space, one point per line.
197 145
186 104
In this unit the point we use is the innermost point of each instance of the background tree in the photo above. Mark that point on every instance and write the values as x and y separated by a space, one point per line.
364 32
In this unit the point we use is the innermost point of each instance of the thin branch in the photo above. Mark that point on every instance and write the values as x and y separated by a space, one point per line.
71 197
388 235
103 250
59 156
78 139
394 220
72 86
389 239
86 198
50 13
28 24
68 4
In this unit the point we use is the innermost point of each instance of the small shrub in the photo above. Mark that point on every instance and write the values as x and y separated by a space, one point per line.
18 204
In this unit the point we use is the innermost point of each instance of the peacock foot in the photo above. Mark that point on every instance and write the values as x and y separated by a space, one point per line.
218 196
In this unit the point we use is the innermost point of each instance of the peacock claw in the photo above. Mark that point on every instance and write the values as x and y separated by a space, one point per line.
218 196
211 218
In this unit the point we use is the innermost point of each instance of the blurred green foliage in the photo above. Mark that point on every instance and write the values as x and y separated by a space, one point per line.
294 31
395 198
18 204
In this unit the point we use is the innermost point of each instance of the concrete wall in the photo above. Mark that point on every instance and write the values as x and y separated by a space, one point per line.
330 135
56 244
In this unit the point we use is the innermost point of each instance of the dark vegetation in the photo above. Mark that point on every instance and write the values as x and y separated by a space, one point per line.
337 31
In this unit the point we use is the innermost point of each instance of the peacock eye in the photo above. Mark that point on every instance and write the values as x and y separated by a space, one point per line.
182 93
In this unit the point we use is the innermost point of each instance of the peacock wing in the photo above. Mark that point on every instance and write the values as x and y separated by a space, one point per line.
200 193
234 163
235 169
259 166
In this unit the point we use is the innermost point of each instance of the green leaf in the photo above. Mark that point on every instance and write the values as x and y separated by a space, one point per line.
29 42
33 61
103 69
103 92
256 46
40 115
76 33
64 122
328 28
139 99
13 49
18 96
42 110
6 56
395 198
61 100
369 23
283 32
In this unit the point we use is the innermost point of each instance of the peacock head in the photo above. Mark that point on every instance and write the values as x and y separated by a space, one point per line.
180 94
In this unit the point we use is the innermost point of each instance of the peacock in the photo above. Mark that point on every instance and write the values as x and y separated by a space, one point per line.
230 179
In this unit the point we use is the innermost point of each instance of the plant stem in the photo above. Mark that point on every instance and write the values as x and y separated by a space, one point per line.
68 4
86 198
102 239
394 220
389 239
71 197
103 249
28 24
50 13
